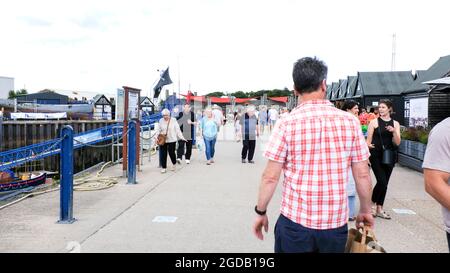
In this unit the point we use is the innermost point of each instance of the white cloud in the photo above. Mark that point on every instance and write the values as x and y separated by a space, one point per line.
219 45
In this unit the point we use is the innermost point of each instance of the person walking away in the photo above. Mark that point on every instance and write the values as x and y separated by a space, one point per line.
383 134
436 169
273 117
250 131
209 131
262 119
169 126
351 107
218 116
314 148
187 122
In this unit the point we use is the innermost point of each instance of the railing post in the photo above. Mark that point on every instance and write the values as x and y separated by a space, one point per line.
66 185
131 152
150 144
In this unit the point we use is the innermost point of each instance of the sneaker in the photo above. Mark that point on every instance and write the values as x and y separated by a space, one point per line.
251 162
208 162
212 160
173 168
244 161
188 161
179 161
163 170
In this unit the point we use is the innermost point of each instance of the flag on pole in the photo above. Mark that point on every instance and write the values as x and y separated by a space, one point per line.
164 80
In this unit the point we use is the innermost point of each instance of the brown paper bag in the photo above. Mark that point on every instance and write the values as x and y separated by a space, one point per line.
363 241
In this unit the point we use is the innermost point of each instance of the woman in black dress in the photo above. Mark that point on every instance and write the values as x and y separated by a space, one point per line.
383 131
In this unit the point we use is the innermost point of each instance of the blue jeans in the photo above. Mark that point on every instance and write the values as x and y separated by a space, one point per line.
291 237
352 206
210 148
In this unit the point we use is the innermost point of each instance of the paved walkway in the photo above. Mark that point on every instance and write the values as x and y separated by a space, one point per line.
213 206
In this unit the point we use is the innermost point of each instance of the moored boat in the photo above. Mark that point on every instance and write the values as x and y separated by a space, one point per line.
23 183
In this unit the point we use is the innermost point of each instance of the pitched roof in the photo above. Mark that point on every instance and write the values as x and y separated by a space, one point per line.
351 86
439 69
101 99
328 91
334 90
384 83
442 81
342 89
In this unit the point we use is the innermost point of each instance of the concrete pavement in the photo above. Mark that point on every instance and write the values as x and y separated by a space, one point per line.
213 206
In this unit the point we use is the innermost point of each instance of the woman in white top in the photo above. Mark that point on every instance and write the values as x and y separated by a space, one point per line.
273 117
173 135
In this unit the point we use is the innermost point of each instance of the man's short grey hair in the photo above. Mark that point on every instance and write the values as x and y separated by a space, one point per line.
165 112
208 109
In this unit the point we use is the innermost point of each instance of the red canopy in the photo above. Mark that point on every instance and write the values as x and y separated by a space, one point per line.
279 99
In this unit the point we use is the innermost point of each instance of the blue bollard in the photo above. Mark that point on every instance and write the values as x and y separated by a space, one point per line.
132 152
66 185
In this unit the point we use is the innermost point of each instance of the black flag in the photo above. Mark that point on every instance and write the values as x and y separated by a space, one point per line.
164 80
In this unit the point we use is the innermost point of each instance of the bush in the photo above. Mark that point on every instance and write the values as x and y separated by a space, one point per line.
423 137
419 134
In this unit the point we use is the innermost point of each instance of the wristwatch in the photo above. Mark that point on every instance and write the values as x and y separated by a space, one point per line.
260 212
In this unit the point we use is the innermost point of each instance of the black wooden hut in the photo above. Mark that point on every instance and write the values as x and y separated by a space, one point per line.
371 87
426 105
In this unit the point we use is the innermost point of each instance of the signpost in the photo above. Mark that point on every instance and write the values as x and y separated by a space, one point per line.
131 112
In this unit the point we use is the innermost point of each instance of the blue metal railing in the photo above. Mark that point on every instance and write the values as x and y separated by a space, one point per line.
16 157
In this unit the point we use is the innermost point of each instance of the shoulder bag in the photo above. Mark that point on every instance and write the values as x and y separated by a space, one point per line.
388 154
162 137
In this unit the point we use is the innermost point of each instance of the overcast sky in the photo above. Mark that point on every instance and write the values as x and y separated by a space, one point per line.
217 45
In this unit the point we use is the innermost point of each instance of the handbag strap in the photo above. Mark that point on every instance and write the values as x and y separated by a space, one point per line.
379 132
168 124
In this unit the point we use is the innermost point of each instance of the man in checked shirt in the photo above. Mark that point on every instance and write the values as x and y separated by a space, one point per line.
314 146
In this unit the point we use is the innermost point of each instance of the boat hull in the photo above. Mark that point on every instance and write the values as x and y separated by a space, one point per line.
16 185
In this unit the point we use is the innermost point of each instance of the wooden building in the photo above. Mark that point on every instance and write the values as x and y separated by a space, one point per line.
341 95
425 104
102 108
334 91
371 87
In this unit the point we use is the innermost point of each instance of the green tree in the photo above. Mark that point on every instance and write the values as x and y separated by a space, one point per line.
216 94
11 94
14 94
240 94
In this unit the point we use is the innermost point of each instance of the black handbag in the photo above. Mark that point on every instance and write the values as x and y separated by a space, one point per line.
388 154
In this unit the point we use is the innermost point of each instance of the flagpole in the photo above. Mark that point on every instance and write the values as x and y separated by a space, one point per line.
179 77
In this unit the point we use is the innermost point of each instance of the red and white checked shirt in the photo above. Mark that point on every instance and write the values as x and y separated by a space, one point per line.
317 143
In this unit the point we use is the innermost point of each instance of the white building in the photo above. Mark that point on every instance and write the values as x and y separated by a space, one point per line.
6 85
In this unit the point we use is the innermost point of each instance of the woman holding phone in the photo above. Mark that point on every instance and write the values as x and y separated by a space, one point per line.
383 137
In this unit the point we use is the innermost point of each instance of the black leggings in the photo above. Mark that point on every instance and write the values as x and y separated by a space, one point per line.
170 148
382 174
